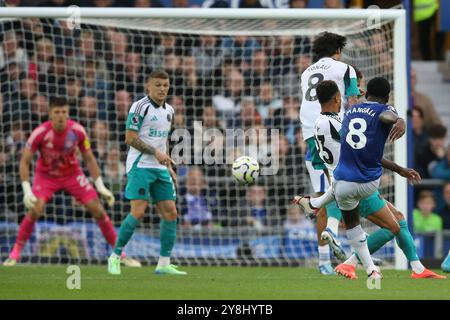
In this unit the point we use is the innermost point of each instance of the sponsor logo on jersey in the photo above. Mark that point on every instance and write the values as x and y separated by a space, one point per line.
158 133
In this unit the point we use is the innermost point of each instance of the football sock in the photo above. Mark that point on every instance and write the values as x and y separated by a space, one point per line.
167 236
333 225
353 260
107 228
125 233
323 200
25 231
358 240
324 254
406 242
378 239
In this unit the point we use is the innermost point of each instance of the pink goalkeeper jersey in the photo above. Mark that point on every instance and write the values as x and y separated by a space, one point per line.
57 149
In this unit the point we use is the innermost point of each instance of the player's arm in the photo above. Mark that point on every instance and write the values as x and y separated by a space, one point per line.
132 139
29 198
408 173
390 117
351 86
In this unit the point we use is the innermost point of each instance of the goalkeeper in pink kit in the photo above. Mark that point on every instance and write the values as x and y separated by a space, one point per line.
57 168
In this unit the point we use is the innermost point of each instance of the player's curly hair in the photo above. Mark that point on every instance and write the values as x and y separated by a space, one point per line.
326 44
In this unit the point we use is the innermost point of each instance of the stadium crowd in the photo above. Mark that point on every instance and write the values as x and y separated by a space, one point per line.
225 82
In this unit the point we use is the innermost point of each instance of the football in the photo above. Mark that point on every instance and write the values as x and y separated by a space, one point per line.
245 170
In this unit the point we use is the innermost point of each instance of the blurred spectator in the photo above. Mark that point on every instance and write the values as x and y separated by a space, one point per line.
333 4
197 208
250 4
11 52
441 169
167 43
296 220
283 60
228 103
180 3
287 118
444 212
434 150
240 48
425 14
298 4
42 59
73 91
53 81
134 76
88 111
208 55
423 102
64 38
258 72
420 136
114 168
118 117
425 220
209 118
177 103
248 116
290 82
267 102
39 109
10 80
116 58
100 136
96 86
104 3
216 4
147 4
257 213
86 51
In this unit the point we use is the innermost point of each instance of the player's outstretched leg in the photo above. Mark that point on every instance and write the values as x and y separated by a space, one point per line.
25 230
446 263
168 234
329 235
107 229
126 231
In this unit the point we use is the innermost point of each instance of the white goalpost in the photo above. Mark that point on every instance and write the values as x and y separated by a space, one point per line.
229 68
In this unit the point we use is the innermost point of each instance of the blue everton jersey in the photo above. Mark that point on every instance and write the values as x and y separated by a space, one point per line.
363 137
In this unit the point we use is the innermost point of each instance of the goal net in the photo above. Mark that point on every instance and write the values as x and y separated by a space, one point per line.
232 72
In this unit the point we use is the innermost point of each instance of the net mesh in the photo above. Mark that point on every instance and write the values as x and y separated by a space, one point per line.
235 73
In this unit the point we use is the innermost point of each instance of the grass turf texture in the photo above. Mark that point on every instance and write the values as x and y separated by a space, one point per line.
211 283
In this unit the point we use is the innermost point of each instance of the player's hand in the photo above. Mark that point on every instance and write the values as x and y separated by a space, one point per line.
398 130
104 192
412 175
29 199
163 158
172 174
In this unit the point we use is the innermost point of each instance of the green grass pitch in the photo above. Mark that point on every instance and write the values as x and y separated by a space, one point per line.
211 283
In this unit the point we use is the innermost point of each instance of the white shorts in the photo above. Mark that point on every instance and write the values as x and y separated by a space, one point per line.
318 178
348 194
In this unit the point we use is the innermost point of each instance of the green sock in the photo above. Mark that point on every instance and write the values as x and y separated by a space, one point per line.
167 235
406 242
378 239
125 233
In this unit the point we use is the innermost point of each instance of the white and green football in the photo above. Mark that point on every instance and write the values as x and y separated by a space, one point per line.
245 170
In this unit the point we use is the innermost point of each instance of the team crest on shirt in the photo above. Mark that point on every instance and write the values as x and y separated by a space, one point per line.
169 117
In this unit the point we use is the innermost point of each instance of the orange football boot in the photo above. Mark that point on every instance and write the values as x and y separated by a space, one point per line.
427 274
346 270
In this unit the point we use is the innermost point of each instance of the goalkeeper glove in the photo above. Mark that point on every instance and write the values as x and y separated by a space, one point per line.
108 195
29 199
